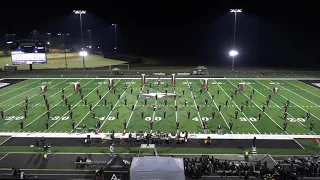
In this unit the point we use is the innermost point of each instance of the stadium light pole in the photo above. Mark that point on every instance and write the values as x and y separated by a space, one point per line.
235 11
115 37
35 34
64 47
80 12
90 45
48 34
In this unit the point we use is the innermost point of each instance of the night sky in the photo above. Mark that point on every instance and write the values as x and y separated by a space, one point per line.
269 34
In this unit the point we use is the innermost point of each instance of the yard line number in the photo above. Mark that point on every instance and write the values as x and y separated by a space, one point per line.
110 118
253 119
203 119
155 118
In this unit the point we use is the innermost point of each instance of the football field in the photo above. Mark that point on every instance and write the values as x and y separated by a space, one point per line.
303 98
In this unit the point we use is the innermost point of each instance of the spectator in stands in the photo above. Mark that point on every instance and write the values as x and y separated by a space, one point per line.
14 172
77 161
37 142
112 149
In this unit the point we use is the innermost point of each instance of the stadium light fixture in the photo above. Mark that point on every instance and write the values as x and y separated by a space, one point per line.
235 11
115 36
48 43
83 53
233 53
9 42
80 12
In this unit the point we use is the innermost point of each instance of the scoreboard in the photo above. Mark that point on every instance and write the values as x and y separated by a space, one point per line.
28 52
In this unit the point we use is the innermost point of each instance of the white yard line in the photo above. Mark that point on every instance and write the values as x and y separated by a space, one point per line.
77 104
95 105
17 96
200 120
287 98
297 95
52 107
135 105
38 103
238 108
298 143
32 97
258 107
19 88
114 106
217 109
302 89
175 104
278 106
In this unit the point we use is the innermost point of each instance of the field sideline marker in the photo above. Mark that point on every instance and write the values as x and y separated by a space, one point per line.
238 108
54 106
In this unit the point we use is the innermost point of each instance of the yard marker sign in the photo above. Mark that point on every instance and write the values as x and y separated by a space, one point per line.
111 83
173 79
205 84
241 87
44 88
143 79
76 86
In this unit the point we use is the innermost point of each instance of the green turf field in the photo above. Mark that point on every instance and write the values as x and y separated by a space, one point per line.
302 96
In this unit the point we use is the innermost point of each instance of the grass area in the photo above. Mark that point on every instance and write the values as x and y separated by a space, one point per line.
160 150
57 61
2 139
302 99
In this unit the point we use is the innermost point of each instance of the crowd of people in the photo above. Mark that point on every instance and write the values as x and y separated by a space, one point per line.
298 167
287 169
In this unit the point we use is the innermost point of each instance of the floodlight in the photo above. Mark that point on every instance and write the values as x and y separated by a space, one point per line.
233 53
80 11
236 10
48 43
9 42
90 47
83 53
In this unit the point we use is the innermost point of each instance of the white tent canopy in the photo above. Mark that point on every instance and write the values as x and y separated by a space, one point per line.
156 167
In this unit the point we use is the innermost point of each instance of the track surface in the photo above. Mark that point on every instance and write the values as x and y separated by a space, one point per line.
216 143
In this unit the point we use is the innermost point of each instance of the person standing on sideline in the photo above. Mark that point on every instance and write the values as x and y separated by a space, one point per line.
112 150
